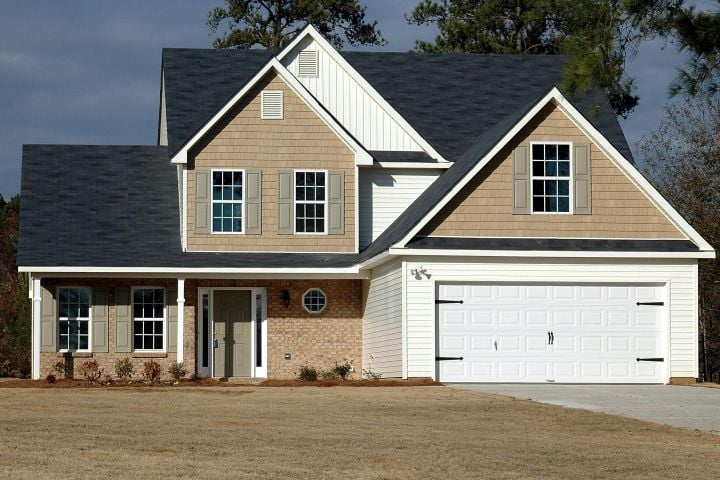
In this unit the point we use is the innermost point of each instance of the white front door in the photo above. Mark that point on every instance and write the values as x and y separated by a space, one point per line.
550 333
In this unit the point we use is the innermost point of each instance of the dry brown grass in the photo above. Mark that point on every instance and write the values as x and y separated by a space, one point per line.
389 433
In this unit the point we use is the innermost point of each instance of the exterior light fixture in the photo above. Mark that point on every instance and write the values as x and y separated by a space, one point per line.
286 298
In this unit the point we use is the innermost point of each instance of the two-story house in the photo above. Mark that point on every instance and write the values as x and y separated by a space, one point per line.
445 216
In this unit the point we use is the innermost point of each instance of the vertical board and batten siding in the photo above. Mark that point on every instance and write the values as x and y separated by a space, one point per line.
385 194
162 130
382 321
350 103
680 275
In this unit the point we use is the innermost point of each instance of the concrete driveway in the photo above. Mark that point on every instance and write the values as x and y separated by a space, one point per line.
690 407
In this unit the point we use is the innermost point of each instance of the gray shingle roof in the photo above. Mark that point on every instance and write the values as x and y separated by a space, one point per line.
198 82
448 99
553 244
117 206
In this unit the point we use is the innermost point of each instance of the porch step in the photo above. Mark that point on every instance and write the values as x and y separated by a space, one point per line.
242 380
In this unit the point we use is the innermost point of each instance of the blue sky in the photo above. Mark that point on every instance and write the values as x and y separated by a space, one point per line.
87 71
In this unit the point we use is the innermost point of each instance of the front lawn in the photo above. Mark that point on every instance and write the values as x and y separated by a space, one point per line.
403 433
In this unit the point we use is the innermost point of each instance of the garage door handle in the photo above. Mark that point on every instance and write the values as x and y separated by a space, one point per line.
658 359
441 359
439 302
657 304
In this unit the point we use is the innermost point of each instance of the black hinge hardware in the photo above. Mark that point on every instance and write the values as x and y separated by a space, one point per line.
657 304
437 302
440 359
658 359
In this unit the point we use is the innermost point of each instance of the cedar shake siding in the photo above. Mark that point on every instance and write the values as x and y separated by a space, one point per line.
301 140
484 208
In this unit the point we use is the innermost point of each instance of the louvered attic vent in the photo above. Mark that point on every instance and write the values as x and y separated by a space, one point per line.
271 105
308 63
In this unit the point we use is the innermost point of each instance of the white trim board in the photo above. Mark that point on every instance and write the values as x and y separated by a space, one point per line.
362 157
599 140
545 253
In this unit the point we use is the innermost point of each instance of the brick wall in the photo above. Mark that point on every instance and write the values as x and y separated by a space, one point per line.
320 340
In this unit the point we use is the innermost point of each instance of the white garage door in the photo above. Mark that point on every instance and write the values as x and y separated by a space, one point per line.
555 333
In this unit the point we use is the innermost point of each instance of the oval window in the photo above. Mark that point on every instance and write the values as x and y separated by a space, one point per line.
314 300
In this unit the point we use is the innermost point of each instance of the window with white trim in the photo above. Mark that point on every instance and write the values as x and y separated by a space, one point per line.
74 319
227 201
148 318
310 200
550 177
314 300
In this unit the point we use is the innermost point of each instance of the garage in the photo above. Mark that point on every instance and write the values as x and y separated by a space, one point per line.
564 333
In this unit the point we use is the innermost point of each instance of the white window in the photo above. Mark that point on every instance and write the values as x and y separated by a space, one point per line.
314 300
551 177
148 319
271 105
310 199
227 201
74 319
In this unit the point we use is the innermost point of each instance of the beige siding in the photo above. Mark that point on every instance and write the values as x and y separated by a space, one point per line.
484 206
301 140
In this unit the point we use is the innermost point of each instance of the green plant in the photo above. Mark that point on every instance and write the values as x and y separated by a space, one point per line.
343 370
124 368
50 378
368 373
91 371
329 375
307 373
63 369
152 371
177 370
196 377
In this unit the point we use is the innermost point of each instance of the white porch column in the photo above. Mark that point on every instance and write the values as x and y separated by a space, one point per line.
36 312
180 320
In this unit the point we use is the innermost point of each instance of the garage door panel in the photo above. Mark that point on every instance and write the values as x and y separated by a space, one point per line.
501 331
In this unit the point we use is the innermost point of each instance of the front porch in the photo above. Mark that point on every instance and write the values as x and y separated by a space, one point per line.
244 329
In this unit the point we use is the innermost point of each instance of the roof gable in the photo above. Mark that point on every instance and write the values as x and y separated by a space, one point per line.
483 150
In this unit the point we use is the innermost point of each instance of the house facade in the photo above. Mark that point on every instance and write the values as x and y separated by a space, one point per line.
452 216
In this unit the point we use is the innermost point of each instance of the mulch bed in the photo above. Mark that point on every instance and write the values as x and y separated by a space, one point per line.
211 382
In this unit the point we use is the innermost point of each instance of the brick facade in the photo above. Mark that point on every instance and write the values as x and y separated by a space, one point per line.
320 340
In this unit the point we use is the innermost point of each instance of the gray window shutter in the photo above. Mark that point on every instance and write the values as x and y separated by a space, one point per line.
48 321
286 198
336 202
202 200
521 180
582 178
100 320
172 318
123 320
253 202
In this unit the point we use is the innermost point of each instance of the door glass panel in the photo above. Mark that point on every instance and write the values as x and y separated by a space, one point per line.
258 330
205 330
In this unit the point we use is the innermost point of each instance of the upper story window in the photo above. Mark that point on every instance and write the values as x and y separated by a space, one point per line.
314 300
148 318
550 177
227 201
310 198
74 319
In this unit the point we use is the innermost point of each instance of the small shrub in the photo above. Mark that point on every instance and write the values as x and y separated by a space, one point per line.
63 369
107 379
307 373
124 368
177 370
50 378
368 373
91 371
196 377
329 375
152 371
343 370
